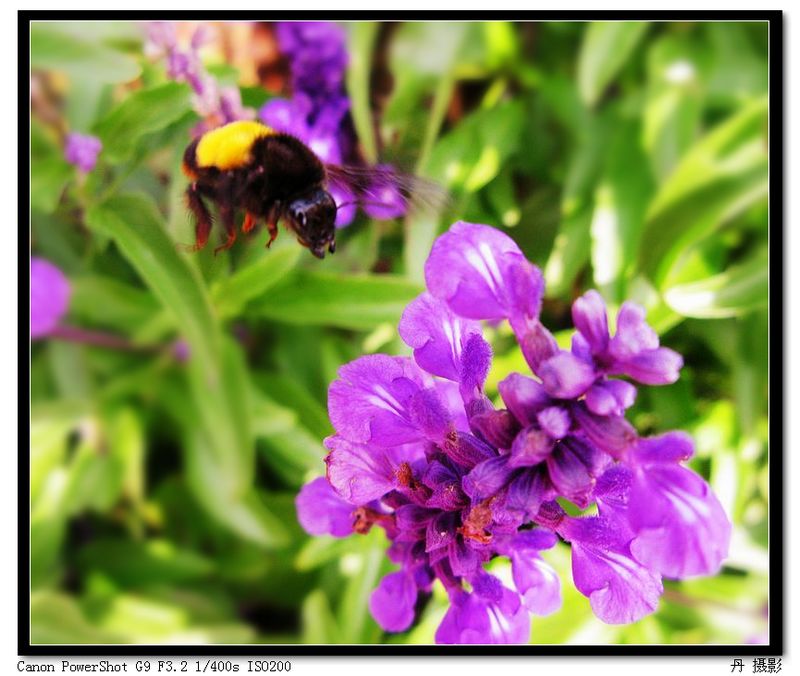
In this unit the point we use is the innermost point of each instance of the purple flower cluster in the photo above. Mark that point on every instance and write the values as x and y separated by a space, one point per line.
318 112
50 292
81 150
217 105
455 481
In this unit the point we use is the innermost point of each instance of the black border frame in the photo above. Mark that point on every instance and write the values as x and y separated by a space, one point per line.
777 280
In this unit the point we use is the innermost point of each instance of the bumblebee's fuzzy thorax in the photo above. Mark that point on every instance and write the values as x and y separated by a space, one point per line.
230 147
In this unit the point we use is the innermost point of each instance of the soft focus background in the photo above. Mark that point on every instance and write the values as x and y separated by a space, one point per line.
183 402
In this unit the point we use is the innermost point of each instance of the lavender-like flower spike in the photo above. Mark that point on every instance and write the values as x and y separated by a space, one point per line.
50 292
421 452
82 150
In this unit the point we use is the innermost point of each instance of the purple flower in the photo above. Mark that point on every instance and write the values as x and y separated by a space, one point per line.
455 482
81 150
318 113
50 292
492 613
321 511
216 105
318 56
680 527
620 588
633 351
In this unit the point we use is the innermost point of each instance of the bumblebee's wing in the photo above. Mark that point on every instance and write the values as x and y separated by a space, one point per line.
375 185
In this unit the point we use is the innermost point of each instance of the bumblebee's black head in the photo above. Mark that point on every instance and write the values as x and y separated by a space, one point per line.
312 216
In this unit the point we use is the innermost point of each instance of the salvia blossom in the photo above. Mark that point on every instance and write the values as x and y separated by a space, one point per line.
50 292
217 105
421 452
81 150
318 112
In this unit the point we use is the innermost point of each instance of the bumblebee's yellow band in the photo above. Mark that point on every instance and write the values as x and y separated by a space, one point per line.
228 147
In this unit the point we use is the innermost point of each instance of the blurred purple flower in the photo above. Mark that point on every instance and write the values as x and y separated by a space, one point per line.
50 292
318 113
216 105
420 451
82 150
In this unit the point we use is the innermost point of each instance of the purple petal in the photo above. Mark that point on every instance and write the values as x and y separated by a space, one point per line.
612 434
681 527
382 199
412 518
527 491
487 478
475 362
610 397
530 447
537 583
555 420
536 342
524 396
589 317
570 473
370 401
564 376
50 292
285 116
437 335
441 531
470 267
346 205
620 589
498 428
452 402
82 150
534 540
392 602
321 512
464 560
357 472
654 367
467 450
669 448
472 618
633 335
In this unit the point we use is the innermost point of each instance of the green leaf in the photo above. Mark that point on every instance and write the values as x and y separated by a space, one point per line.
216 369
252 281
724 173
54 49
99 300
346 301
620 207
319 623
134 223
137 564
361 43
471 155
605 48
49 177
244 514
734 292
142 113
365 569
57 618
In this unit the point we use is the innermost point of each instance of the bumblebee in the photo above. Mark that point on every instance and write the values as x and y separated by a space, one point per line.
270 176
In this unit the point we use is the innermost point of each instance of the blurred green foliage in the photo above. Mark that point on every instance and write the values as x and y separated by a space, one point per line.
629 157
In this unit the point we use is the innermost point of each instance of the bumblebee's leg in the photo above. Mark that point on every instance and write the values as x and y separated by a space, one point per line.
249 222
272 226
228 217
202 219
